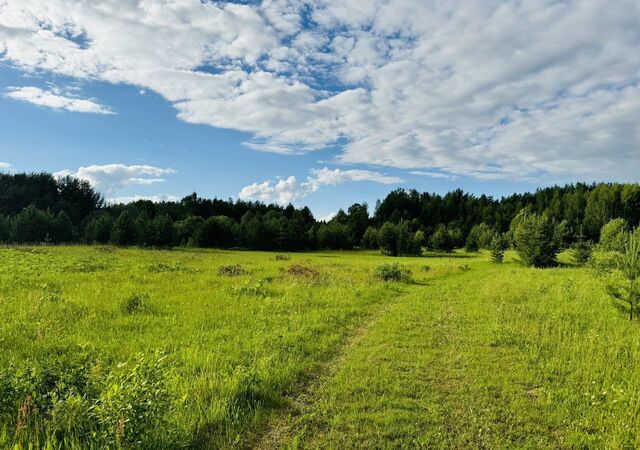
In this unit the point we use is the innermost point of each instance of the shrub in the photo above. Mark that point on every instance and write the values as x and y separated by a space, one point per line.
298 270
135 304
231 270
534 237
283 257
176 267
613 235
581 252
393 272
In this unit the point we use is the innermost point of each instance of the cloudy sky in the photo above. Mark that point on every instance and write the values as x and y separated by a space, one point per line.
322 102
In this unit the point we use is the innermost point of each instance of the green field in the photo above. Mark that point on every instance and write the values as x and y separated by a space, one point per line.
158 349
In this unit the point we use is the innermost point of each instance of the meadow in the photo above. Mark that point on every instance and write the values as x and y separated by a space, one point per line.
127 348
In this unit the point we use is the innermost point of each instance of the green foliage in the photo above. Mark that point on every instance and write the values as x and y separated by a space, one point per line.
124 230
480 236
497 248
535 239
33 226
398 240
613 235
581 252
334 235
393 272
444 238
68 401
164 231
133 403
186 229
98 229
217 232
370 238
629 266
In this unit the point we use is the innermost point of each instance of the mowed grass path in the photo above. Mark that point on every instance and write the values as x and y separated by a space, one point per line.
468 355
493 357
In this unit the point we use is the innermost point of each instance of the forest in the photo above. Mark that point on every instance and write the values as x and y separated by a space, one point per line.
38 208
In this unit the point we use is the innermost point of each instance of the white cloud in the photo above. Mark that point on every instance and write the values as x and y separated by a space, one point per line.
328 217
111 177
5 166
135 198
289 190
54 99
533 89
438 175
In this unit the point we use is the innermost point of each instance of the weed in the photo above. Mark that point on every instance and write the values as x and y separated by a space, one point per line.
232 270
283 257
176 267
135 304
298 270
393 272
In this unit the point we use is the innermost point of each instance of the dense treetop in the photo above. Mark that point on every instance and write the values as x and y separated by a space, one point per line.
39 207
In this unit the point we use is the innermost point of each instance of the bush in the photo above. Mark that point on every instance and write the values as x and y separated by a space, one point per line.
393 272
231 270
283 257
298 270
534 237
581 252
613 235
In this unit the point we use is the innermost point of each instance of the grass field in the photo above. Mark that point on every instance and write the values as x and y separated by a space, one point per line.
133 349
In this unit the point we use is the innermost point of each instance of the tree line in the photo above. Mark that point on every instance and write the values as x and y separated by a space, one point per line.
40 208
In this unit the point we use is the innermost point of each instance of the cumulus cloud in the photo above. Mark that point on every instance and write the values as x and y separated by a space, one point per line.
111 177
290 189
135 198
4 166
533 89
54 99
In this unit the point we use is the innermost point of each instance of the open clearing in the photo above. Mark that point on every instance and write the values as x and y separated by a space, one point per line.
311 351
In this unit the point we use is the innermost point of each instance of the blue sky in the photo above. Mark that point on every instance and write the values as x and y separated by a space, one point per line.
321 103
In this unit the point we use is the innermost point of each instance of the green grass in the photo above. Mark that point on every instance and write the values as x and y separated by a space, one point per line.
467 354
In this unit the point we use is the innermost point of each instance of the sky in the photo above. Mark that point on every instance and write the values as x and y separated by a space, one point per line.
321 103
